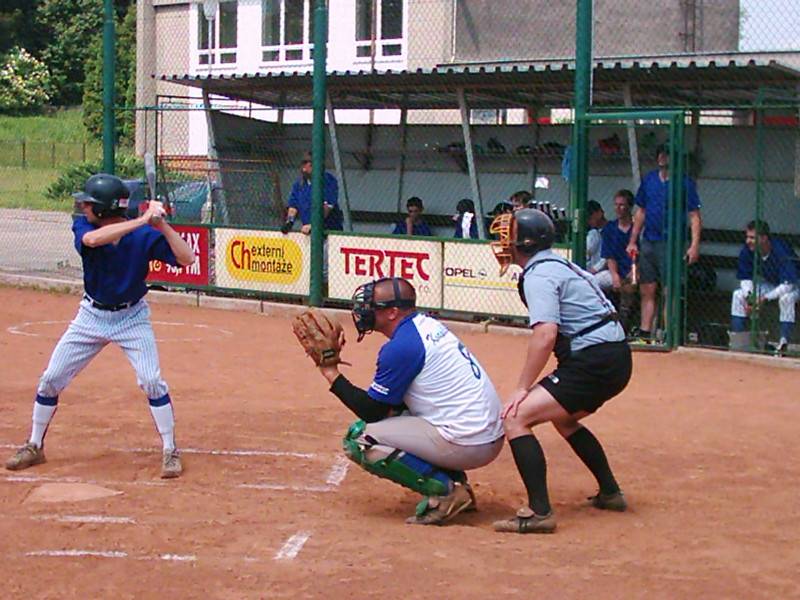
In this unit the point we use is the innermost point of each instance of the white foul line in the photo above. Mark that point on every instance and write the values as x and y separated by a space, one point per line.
292 546
45 479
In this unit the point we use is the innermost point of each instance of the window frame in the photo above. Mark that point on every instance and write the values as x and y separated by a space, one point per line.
280 51
219 57
382 44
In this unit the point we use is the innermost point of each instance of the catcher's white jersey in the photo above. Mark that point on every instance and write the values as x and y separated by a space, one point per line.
427 368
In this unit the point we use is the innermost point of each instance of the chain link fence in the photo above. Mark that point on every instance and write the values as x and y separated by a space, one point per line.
440 114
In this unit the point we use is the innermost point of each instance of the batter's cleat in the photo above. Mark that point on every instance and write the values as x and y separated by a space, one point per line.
438 510
527 521
171 464
615 501
28 455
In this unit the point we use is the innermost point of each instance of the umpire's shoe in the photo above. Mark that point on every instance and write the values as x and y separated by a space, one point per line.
527 521
615 501
27 456
171 466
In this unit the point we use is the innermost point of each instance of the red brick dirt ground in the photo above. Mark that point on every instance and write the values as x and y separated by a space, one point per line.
705 449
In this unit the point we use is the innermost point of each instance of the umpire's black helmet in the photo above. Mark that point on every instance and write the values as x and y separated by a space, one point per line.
107 194
535 231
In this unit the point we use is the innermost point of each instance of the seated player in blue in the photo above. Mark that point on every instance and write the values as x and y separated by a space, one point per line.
777 281
431 411
115 253
615 237
300 201
413 223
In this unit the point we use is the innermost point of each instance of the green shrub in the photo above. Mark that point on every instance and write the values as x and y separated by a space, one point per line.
73 178
24 82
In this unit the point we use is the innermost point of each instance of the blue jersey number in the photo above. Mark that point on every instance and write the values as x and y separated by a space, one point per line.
476 370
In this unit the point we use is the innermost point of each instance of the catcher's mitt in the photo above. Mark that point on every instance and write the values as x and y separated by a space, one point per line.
320 338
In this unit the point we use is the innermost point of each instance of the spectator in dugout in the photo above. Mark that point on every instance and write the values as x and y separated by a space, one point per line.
520 199
595 221
777 280
617 279
413 223
466 224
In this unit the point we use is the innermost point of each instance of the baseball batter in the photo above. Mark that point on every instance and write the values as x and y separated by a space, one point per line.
431 412
115 253
571 317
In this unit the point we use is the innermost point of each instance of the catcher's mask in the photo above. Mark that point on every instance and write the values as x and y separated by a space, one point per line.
528 230
364 304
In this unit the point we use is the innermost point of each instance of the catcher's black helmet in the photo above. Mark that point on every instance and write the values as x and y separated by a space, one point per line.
107 194
535 230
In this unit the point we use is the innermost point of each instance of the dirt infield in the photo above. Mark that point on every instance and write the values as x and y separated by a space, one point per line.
705 449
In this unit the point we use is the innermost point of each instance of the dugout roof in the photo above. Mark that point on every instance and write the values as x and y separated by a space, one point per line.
706 81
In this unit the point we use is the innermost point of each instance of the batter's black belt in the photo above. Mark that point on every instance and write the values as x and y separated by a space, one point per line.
109 307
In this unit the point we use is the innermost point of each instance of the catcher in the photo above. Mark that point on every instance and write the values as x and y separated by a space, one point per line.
431 412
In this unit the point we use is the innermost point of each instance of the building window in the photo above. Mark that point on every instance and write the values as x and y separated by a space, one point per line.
381 21
222 34
287 30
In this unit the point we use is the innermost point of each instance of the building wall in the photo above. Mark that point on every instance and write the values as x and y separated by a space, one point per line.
540 29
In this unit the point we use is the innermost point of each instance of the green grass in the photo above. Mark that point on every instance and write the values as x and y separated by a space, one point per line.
24 188
61 125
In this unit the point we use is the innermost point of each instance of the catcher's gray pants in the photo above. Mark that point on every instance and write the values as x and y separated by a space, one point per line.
420 438
89 333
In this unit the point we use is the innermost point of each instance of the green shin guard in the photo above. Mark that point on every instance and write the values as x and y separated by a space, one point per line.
401 467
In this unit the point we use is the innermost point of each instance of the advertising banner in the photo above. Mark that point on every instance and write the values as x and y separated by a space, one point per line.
472 282
266 261
194 274
354 260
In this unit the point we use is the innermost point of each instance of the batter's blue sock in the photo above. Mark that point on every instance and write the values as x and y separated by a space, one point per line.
786 330
739 323
161 409
43 410
532 467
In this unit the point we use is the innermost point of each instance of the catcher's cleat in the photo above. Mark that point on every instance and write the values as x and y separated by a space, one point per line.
527 521
27 456
171 466
438 510
615 501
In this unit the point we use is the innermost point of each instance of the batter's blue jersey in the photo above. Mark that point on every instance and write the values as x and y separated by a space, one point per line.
116 273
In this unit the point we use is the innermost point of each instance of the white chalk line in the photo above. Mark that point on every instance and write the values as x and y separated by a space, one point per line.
293 545
214 452
76 553
287 488
338 471
65 479
19 329
86 519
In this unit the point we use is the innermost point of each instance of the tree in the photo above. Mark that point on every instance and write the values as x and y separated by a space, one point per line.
24 82
70 26
18 26
125 80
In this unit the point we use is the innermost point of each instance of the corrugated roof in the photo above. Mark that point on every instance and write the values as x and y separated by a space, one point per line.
722 80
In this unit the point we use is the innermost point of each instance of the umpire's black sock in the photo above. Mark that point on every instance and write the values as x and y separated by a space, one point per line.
529 456
593 456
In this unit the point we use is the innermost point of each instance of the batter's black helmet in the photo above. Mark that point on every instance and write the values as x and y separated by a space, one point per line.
107 194
535 231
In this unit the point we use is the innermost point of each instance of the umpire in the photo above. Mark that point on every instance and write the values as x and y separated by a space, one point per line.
570 317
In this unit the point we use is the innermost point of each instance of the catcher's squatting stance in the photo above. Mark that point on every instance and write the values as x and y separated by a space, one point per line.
571 317
115 253
431 412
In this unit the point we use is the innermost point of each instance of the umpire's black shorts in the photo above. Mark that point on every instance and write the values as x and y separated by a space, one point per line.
589 377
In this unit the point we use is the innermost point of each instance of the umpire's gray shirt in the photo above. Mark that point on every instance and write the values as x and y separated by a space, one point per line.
558 294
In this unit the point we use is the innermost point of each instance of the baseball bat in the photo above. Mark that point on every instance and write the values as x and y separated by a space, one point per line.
150 174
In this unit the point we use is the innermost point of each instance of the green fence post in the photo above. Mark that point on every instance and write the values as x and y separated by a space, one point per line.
755 317
580 169
24 157
109 132
677 230
318 151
